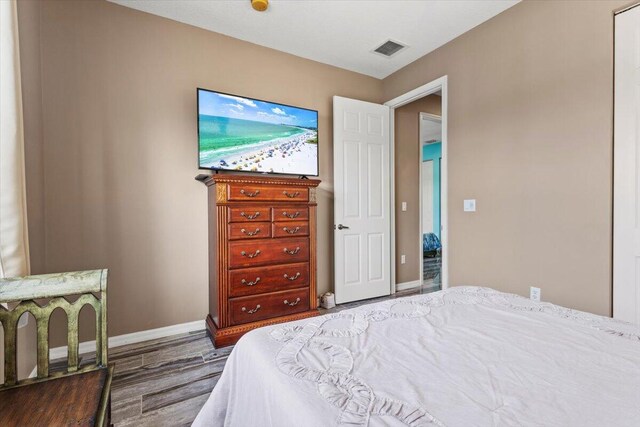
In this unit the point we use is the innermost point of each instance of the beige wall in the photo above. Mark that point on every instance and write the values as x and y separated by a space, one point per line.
111 149
119 149
407 164
530 137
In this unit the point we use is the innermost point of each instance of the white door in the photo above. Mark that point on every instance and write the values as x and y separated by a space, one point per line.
362 213
626 191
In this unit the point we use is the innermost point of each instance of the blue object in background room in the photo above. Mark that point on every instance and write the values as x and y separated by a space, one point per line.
430 245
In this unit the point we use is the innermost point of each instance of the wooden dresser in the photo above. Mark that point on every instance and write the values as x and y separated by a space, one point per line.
262 253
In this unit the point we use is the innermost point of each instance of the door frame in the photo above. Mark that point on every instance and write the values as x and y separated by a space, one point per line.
618 292
420 216
439 84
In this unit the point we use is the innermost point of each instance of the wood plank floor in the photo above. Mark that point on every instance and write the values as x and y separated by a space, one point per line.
432 268
165 382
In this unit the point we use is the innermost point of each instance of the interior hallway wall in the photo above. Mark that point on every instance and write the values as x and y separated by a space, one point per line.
408 153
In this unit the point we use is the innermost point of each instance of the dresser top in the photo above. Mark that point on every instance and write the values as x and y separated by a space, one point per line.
260 179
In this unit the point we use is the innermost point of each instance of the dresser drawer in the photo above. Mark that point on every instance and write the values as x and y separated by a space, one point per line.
251 281
249 214
248 192
243 230
269 251
290 213
290 228
266 306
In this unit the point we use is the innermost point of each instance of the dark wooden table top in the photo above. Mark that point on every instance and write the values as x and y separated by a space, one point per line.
65 401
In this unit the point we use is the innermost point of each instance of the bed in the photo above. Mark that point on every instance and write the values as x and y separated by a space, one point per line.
465 356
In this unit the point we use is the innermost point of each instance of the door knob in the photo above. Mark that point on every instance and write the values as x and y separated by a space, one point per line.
342 227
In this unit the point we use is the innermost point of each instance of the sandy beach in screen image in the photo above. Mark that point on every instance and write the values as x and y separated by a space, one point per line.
289 155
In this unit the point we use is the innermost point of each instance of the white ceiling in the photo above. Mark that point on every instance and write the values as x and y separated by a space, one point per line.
337 32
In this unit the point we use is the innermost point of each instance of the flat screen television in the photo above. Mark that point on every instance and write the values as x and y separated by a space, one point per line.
249 135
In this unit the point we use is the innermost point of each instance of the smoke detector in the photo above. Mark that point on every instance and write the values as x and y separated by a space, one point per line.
389 48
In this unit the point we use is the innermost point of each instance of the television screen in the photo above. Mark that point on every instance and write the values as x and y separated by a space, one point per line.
249 135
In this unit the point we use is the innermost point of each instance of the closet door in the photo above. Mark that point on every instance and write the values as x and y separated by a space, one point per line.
626 192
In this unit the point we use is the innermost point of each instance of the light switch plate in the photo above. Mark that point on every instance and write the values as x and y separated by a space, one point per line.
403 259
404 206
470 205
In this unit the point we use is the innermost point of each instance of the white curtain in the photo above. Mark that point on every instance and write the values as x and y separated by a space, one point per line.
14 243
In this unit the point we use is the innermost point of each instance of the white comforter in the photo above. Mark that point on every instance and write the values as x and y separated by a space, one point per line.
462 357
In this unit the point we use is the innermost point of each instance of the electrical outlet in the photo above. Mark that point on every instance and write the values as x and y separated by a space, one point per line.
403 259
404 206
535 293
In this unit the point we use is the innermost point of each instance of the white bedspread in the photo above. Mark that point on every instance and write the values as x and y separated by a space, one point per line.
462 357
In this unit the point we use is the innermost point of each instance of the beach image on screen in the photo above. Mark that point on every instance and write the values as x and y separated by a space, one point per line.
244 134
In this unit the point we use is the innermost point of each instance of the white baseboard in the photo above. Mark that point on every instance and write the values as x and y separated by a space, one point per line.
120 340
407 285
135 337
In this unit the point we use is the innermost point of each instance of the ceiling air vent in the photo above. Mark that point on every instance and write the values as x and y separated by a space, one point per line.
389 48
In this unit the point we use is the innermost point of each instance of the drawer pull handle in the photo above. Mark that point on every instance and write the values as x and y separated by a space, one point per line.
291 195
250 233
290 231
249 194
248 216
291 304
255 282
253 255
292 252
291 216
253 310
292 278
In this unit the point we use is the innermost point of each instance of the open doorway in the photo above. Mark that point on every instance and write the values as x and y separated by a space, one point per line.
430 141
388 186
408 261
